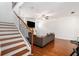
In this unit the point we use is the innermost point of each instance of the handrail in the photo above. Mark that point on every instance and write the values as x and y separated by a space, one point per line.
14 4
21 20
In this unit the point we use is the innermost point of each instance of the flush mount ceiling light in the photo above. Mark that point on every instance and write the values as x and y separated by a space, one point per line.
72 12
45 15
32 7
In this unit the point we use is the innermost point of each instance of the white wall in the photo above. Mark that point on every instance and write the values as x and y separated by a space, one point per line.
6 13
65 27
77 25
45 26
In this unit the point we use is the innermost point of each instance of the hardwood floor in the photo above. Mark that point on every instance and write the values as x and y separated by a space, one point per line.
58 48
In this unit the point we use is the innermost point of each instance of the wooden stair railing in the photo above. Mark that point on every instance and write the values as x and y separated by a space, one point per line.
14 4
25 25
21 20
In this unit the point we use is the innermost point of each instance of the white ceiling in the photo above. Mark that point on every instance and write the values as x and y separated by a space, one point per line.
53 9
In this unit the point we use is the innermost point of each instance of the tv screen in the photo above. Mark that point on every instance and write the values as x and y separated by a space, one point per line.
31 24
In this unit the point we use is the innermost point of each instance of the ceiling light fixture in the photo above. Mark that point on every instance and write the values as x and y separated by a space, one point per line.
72 12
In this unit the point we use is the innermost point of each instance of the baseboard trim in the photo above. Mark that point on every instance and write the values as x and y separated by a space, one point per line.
64 38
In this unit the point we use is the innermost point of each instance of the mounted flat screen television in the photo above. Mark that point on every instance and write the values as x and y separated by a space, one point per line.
31 24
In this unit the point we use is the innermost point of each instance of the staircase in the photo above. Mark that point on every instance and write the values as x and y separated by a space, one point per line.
11 42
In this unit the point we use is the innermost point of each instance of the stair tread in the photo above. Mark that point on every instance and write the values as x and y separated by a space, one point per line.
9 38
10 46
7 25
6 44
7 30
7 22
12 49
16 51
21 52
8 34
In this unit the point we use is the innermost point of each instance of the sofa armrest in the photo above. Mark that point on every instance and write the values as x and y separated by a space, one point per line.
42 41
